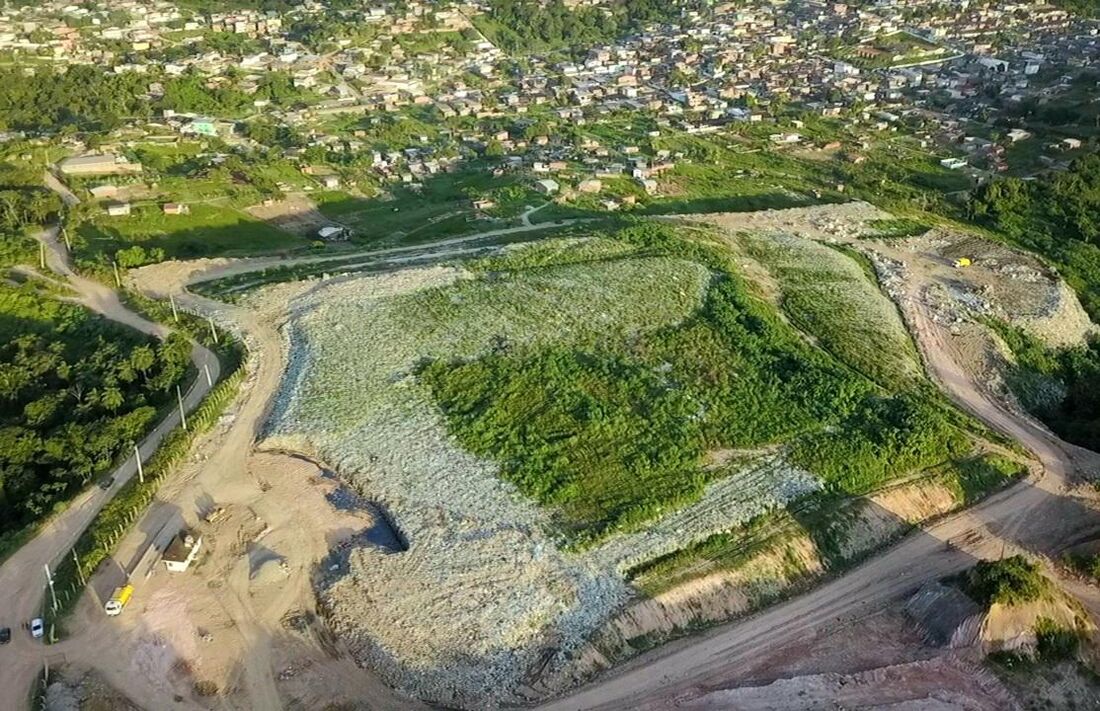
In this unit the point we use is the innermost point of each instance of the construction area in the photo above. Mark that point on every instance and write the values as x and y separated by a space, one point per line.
356 554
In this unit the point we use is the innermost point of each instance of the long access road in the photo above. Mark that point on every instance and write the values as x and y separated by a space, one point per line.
22 576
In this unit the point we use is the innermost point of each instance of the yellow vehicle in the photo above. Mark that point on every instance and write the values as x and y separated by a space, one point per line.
118 600
962 262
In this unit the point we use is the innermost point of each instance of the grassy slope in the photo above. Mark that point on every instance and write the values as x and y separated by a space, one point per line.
827 295
612 433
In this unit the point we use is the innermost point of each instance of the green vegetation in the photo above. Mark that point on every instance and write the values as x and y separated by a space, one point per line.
1086 8
528 26
609 433
148 235
1060 386
898 227
827 295
89 98
1085 564
23 201
76 392
1010 581
1055 642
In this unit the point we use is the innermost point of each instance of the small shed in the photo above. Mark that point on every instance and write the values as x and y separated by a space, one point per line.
332 233
118 209
175 208
182 551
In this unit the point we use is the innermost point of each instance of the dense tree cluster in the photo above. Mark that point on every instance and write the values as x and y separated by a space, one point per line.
524 25
75 393
86 97
23 199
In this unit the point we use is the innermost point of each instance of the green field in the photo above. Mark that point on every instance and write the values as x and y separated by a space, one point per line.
210 230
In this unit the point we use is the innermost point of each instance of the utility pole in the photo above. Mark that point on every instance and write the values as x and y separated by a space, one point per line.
209 378
65 236
183 415
118 279
137 458
175 315
49 581
79 572
42 256
213 331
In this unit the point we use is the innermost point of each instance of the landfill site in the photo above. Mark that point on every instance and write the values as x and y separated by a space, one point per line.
354 556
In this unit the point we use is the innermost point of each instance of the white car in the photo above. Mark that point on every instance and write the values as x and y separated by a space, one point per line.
38 627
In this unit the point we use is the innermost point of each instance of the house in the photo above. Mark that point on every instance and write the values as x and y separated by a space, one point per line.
118 209
1070 144
591 185
1018 134
103 164
331 182
547 187
175 208
182 551
203 126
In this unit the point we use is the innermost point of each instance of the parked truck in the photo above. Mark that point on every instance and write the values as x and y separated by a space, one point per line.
118 600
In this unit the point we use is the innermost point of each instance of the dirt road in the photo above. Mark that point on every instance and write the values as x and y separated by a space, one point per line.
22 576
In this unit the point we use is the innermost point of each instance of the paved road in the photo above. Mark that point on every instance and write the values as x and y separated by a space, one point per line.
22 576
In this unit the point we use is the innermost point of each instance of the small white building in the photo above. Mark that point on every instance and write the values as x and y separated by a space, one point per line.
182 551
547 187
118 209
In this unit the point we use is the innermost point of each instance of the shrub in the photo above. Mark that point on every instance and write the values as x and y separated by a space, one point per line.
1009 581
1054 642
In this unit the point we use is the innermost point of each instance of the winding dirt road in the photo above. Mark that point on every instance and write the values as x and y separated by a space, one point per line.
22 576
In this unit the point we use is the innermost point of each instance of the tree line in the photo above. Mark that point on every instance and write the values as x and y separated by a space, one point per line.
527 25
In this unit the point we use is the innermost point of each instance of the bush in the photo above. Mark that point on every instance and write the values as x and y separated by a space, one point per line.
1054 642
1009 581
